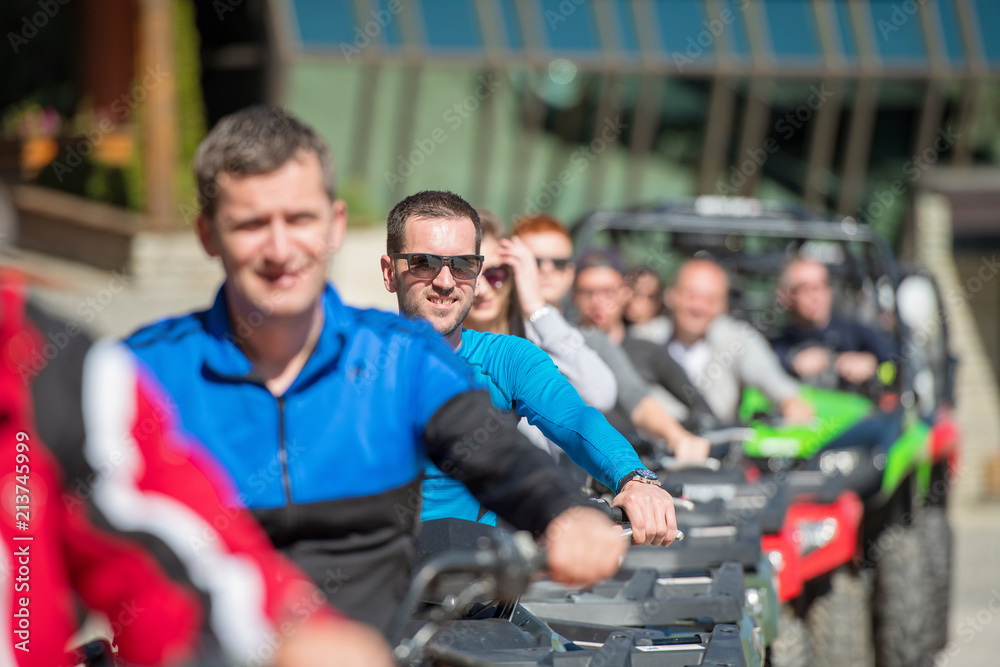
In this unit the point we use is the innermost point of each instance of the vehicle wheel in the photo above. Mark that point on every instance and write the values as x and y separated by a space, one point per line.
792 647
902 600
840 622
935 531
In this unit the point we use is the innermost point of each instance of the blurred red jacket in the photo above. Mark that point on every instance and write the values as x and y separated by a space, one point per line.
128 502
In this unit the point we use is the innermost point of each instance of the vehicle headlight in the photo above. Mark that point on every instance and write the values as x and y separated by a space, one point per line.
813 535
842 461
754 601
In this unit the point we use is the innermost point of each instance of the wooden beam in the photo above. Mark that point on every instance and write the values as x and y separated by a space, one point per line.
715 150
156 79
858 147
822 143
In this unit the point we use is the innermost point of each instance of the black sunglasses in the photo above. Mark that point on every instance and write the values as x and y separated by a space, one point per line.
496 276
559 264
426 266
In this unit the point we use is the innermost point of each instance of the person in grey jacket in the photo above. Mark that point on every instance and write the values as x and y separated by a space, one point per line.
721 355
636 407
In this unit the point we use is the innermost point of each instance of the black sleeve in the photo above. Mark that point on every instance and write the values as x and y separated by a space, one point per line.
782 345
479 445
664 370
877 343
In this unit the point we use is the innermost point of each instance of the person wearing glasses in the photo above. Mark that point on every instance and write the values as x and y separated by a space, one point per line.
433 257
324 415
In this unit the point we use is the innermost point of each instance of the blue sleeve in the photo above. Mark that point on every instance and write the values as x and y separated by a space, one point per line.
542 394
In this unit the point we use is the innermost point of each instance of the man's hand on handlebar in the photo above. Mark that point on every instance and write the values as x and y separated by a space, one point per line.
583 546
690 447
796 411
650 509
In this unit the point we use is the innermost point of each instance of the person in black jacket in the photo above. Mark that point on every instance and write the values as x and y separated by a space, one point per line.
818 345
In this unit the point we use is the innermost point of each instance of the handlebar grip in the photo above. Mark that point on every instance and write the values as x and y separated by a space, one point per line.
675 489
618 515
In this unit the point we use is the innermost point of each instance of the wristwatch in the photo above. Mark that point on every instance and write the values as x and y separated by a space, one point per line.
644 475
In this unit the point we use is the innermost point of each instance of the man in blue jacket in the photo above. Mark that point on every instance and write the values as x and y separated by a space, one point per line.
432 261
326 415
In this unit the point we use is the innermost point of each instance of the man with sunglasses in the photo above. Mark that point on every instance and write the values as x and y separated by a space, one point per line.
325 415
431 263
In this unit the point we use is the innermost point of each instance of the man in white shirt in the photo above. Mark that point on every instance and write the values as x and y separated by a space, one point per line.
722 355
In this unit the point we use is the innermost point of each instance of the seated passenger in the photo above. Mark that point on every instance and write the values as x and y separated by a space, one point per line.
644 311
636 407
818 345
721 355
430 228
601 296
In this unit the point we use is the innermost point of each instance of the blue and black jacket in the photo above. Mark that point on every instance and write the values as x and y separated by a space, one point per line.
332 467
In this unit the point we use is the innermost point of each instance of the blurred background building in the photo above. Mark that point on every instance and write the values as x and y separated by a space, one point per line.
887 111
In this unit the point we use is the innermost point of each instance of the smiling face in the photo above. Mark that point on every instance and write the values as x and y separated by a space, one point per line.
444 301
491 302
698 297
275 234
549 247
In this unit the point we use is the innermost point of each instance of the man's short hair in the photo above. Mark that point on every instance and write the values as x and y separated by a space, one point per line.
257 140
600 257
429 204
785 278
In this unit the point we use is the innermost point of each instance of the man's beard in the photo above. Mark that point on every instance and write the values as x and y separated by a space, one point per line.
411 310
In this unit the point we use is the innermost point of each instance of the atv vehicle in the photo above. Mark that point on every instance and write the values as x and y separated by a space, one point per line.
892 441
809 523
462 609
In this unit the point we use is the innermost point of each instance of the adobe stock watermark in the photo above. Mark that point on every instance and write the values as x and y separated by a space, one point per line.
969 627
454 117
579 161
786 127
565 9
30 25
121 108
363 35
901 13
912 169
223 7
706 38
